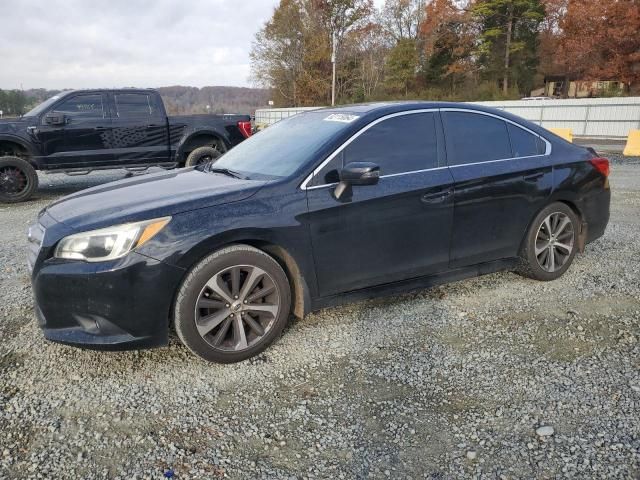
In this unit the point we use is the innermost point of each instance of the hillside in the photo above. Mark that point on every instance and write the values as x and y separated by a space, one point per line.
181 100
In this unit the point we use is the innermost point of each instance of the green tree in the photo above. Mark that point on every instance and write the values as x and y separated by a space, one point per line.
401 66
508 40
13 103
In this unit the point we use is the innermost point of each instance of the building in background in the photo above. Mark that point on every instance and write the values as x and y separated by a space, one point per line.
561 87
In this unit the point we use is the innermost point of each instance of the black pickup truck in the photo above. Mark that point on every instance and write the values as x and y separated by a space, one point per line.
79 131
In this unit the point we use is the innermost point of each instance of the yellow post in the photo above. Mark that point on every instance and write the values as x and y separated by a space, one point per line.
565 133
632 149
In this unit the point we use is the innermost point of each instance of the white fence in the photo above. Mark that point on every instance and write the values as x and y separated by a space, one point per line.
593 117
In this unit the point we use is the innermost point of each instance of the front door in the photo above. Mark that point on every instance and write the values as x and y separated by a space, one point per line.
502 179
83 139
395 230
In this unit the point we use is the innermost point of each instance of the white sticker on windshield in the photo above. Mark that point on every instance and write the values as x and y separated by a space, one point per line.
341 117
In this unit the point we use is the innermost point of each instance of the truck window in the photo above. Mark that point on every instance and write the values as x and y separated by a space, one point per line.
134 105
83 106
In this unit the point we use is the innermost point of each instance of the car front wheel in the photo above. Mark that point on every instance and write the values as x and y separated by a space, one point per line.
551 243
232 305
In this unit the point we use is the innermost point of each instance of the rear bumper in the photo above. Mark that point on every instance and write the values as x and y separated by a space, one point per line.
117 305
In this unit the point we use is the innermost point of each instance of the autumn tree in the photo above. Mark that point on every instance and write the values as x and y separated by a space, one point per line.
448 40
292 52
600 40
401 19
508 39
278 51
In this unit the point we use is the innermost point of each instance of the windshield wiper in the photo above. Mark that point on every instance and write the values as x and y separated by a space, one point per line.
225 171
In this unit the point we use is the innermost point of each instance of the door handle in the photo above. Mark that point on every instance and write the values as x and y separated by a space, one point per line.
153 125
533 177
100 128
436 197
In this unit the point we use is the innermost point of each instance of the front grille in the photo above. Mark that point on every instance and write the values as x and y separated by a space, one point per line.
34 237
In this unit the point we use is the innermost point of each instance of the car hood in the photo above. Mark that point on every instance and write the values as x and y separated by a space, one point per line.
149 196
12 125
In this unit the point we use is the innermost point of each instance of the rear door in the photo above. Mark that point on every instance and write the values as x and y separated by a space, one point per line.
502 178
395 230
139 129
83 140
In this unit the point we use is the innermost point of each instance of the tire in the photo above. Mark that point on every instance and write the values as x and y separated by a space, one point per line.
212 324
18 179
536 259
202 155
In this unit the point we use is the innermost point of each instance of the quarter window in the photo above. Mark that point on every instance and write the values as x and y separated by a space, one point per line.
84 106
523 143
473 138
134 105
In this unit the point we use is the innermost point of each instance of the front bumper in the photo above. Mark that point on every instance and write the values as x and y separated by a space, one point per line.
119 305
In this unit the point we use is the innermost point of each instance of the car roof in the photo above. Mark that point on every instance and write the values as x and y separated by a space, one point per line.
370 111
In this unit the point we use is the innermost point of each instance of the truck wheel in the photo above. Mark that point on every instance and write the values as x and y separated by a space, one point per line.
18 180
201 156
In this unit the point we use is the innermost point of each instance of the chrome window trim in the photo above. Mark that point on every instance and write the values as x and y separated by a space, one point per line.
304 184
381 176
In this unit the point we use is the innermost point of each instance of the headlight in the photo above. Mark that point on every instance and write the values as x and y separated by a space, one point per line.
108 243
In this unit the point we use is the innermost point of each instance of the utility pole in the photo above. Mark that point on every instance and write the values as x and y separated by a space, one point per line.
333 61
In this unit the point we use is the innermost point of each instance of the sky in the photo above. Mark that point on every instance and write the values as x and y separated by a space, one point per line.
59 44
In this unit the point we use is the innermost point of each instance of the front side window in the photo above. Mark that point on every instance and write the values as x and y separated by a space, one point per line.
84 106
401 144
475 138
134 105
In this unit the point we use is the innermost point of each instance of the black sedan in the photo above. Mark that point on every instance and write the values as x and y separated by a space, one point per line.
322 208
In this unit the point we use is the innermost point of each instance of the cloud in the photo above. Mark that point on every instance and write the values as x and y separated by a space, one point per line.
117 43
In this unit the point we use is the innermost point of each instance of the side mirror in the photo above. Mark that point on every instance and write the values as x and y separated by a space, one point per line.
360 173
357 173
55 118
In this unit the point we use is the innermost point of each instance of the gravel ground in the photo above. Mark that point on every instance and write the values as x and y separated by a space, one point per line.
493 377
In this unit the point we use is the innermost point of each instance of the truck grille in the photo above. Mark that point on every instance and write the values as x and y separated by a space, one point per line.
34 236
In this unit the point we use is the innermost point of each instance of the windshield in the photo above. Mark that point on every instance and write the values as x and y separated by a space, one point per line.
42 107
282 148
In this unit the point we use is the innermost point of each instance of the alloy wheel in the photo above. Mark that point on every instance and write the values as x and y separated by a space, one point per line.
554 241
237 307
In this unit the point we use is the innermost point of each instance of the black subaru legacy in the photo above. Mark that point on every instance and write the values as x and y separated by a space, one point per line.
322 208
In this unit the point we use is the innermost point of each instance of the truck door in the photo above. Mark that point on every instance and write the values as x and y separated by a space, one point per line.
139 129
82 140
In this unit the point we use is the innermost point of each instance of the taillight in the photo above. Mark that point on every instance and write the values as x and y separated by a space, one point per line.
601 164
245 129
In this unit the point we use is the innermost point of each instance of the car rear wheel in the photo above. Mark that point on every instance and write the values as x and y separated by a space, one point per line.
232 305
202 155
18 179
551 243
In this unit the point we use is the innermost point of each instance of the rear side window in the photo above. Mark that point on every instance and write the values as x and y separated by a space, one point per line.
473 138
134 105
84 106
523 143
397 145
